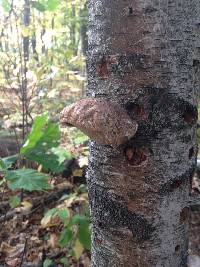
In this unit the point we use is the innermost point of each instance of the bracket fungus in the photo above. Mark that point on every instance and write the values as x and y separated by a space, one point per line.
103 121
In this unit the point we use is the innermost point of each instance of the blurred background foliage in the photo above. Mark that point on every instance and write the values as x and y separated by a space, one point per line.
43 45
42 49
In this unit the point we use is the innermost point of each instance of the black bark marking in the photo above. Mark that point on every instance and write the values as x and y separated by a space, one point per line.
191 152
196 63
137 110
130 11
177 249
165 111
184 179
176 184
150 9
190 114
109 213
184 215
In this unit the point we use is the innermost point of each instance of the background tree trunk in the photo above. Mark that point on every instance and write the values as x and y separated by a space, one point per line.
142 55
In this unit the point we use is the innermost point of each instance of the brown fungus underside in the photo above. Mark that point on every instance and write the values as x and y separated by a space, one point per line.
103 121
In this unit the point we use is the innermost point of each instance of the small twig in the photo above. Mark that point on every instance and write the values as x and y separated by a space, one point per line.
24 252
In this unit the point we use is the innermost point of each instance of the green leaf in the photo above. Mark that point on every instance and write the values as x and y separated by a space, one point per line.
79 219
36 134
27 179
2 165
37 5
64 214
8 161
65 237
6 5
61 153
52 5
64 261
84 236
41 145
51 212
47 262
14 201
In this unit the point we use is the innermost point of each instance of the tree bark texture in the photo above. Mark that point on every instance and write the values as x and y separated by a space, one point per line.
143 54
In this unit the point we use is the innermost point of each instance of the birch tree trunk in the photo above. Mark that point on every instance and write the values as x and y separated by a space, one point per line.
142 56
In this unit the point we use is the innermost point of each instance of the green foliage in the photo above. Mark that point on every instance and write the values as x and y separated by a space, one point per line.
42 144
65 237
82 232
38 5
9 161
55 66
64 261
47 262
48 5
14 201
76 227
27 179
6 5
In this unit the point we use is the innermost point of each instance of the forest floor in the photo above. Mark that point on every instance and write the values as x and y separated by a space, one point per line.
27 238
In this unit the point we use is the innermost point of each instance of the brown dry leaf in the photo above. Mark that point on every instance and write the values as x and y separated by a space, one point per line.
53 241
86 262
11 251
50 221
78 249
36 240
78 173
68 202
13 262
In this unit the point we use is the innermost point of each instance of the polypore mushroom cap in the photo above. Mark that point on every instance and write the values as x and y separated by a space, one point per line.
104 121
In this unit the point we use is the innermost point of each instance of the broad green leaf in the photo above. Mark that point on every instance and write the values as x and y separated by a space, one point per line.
37 132
65 237
41 145
27 179
51 212
62 154
84 236
8 161
79 219
14 201
64 214
47 262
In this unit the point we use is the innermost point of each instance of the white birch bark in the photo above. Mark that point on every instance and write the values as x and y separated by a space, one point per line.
142 55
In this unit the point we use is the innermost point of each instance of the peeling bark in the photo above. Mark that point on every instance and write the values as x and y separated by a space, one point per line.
142 55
